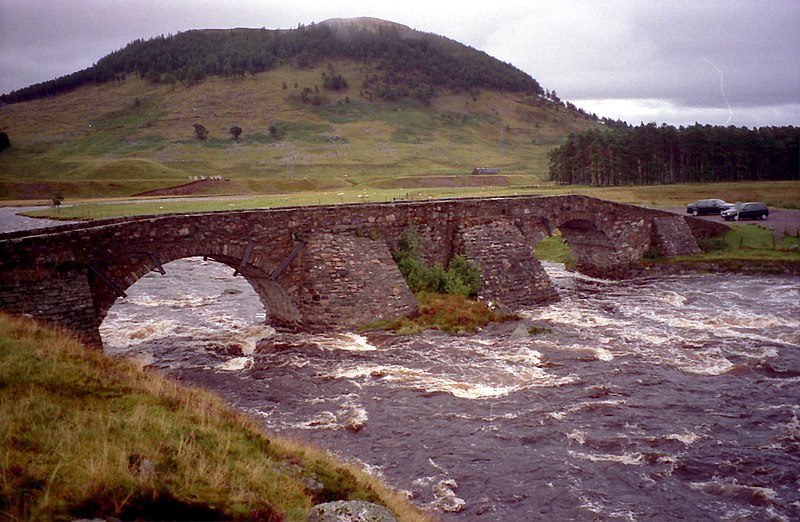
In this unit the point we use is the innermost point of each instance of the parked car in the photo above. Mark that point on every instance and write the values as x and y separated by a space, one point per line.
750 210
707 206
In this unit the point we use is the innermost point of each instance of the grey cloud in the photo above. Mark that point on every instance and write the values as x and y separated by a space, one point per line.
584 49
756 46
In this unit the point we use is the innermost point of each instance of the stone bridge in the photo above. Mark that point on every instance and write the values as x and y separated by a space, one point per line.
331 266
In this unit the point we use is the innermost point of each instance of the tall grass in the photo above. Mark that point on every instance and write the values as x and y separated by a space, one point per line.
86 436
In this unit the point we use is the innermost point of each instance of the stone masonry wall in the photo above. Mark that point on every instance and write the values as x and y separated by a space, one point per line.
350 243
510 273
673 237
61 298
349 281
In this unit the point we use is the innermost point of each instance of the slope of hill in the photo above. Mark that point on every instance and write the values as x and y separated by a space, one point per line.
350 103
87 437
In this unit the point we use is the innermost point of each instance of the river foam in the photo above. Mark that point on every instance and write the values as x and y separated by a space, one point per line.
635 393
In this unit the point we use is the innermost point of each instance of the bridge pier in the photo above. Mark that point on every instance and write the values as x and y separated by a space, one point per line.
510 273
342 279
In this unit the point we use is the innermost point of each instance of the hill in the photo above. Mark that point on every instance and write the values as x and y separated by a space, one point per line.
85 436
343 103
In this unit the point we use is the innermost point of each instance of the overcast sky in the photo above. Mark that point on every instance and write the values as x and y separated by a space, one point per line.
721 62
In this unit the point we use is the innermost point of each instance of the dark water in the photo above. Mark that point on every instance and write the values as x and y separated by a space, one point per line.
672 398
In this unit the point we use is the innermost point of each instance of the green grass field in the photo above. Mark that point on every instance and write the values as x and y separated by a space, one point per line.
783 194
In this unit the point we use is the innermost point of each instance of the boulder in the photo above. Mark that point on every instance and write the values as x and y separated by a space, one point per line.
350 511
520 332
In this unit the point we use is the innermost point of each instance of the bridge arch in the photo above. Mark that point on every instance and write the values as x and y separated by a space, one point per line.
198 304
280 311
593 251
605 238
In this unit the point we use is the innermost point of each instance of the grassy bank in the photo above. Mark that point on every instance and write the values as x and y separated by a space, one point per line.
781 194
87 436
742 243
745 242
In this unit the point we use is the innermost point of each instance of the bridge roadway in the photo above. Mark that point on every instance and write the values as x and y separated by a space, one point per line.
331 266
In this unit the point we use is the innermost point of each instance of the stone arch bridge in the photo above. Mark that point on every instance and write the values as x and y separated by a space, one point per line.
331 266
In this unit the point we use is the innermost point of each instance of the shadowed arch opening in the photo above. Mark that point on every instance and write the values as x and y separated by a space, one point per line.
554 249
586 248
198 306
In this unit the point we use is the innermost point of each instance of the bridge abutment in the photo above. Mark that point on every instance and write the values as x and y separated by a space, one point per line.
61 298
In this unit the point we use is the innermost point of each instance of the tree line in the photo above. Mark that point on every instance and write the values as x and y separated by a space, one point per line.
405 57
650 154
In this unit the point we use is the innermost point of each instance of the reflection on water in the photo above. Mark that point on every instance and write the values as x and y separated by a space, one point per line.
660 398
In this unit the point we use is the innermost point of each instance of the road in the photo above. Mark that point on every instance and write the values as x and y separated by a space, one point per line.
11 221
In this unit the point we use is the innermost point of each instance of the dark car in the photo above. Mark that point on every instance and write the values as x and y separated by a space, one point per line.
707 206
750 210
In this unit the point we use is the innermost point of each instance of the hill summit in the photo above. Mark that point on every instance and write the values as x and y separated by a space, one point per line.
341 103
409 58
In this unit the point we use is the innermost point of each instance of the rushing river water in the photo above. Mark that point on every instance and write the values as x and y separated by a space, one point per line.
655 399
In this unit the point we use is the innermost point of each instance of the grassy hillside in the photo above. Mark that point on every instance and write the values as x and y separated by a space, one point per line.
84 436
126 137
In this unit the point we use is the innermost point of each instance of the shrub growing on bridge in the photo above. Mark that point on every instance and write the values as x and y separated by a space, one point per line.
460 278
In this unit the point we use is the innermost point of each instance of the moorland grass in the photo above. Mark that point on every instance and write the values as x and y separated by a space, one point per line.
59 140
82 435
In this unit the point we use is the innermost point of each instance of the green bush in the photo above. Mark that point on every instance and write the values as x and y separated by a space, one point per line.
460 278
416 274
463 277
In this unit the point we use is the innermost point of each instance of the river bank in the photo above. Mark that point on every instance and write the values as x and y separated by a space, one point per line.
87 437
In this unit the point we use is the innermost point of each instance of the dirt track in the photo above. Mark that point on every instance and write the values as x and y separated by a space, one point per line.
187 189
780 221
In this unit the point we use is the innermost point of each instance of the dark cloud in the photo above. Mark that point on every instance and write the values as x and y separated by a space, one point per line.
670 59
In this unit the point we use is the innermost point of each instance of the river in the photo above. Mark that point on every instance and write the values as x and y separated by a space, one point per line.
653 399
